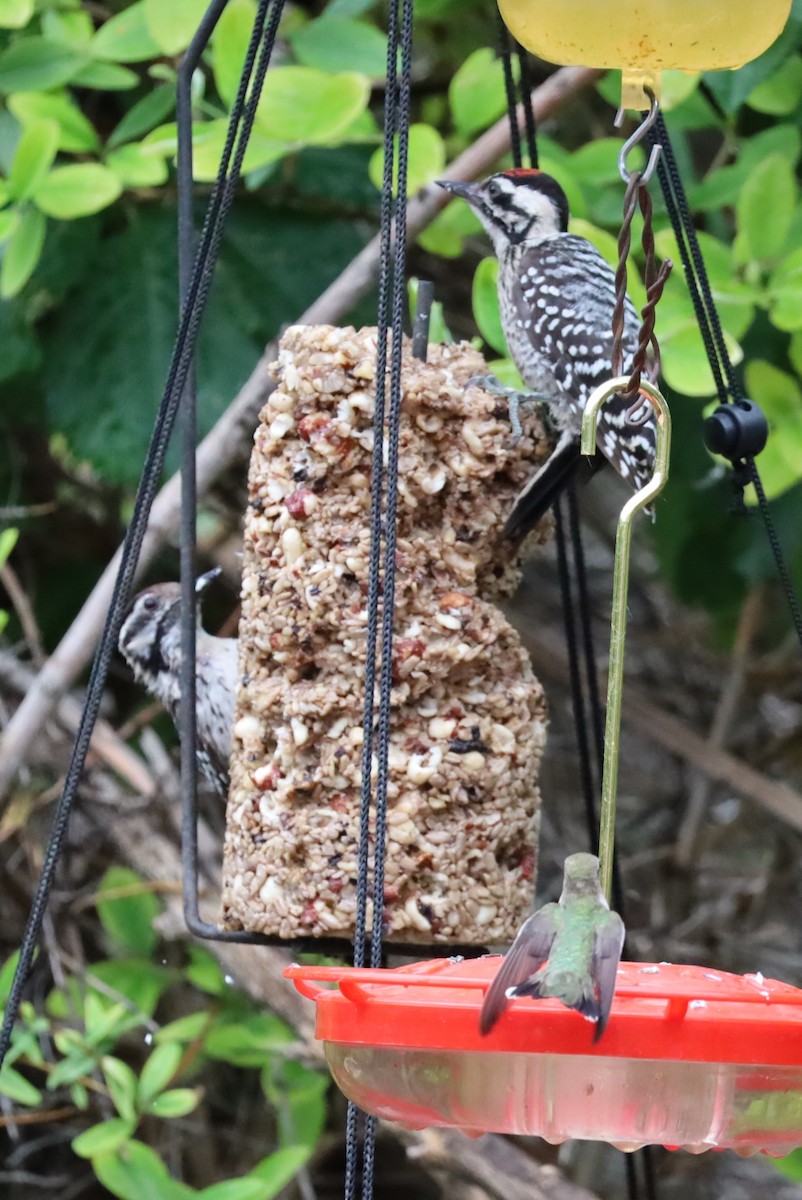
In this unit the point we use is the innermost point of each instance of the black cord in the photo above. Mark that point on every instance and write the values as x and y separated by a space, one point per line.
383 508
529 115
727 383
240 123
505 50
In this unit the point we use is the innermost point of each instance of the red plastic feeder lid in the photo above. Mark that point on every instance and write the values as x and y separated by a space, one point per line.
660 1011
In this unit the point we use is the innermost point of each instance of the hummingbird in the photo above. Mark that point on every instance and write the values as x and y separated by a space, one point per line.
569 951
150 642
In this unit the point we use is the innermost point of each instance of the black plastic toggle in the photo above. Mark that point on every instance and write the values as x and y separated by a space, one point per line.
736 431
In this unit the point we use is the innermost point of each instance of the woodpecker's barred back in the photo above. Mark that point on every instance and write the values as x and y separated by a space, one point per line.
556 295
150 642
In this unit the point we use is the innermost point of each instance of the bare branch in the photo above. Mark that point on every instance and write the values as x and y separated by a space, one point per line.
230 437
106 744
674 735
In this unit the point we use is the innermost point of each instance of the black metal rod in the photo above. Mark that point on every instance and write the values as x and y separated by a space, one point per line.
423 314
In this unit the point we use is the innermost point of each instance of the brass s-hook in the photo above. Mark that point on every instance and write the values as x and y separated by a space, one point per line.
636 138
618 616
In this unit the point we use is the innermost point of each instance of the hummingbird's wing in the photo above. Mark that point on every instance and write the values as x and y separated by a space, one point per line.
606 957
527 954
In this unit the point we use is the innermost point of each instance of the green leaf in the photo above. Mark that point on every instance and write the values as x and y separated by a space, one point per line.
136 168
229 43
676 87
122 1084
764 209
785 293
172 26
135 1172
74 28
17 1088
128 919
340 44
22 251
77 190
780 397
299 1096
790 1165
159 1069
9 219
780 93
140 981
125 37
178 1102
185 1029
348 8
15 14
281 1167
245 1188
146 114
33 158
485 304
70 1070
103 1138
427 158
8 540
104 1019
248 1041
208 142
203 971
596 163
304 106
731 88
36 64
684 360
447 232
476 94
106 77
75 133
123 322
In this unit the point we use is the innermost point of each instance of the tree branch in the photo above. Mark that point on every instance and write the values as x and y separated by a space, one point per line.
231 436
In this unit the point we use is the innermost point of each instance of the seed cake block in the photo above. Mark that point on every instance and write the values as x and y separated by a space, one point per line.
468 715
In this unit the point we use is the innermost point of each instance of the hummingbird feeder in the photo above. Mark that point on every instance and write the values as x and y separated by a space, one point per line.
648 38
691 1058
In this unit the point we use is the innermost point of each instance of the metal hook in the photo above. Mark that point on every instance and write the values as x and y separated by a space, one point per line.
637 137
618 615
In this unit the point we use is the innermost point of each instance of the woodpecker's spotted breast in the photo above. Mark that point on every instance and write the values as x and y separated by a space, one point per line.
557 295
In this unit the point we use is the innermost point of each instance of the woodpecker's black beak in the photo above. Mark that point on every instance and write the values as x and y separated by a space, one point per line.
203 581
468 191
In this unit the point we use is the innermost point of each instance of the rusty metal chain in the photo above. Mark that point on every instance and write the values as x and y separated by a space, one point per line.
643 362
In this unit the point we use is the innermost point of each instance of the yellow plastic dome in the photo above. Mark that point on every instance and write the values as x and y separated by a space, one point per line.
645 37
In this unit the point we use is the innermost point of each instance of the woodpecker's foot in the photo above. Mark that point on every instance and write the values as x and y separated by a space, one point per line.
515 401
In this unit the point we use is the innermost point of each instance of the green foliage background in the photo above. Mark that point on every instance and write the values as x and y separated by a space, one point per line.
87 319
87 220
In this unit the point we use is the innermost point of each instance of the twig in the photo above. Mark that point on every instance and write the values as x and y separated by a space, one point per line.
726 708
23 609
678 738
231 436
499 1167
21 512
105 742
40 1117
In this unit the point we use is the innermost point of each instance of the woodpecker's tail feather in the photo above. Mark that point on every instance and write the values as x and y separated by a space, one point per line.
546 485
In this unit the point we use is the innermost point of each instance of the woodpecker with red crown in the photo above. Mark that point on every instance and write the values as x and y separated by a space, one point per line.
556 295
